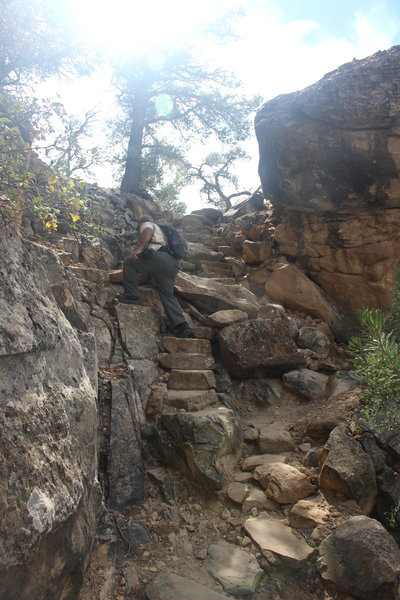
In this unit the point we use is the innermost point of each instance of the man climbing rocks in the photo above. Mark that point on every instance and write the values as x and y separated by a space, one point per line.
151 256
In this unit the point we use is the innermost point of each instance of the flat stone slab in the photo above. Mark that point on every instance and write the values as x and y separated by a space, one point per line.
308 514
242 477
209 296
191 399
238 571
256 498
222 318
274 536
278 440
168 586
237 491
186 361
191 345
203 332
140 330
251 462
191 380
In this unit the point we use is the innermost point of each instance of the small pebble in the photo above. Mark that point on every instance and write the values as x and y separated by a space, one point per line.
226 514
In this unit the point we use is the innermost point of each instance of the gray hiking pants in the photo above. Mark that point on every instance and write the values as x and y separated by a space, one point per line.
163 268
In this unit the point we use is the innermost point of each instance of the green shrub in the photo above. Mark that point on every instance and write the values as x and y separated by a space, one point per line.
375 353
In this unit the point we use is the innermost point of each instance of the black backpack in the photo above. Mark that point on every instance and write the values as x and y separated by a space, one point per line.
176 243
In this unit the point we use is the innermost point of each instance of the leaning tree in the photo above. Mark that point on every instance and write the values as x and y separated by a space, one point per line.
169 102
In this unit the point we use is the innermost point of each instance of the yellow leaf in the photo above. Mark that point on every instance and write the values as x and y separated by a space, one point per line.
48 224
52 180
74 217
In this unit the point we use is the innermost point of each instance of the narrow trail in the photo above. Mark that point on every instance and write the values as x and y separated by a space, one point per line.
180 518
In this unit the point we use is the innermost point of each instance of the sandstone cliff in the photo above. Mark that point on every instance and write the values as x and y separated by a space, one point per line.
329 162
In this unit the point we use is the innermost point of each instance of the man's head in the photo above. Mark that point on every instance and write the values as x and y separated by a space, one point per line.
144 219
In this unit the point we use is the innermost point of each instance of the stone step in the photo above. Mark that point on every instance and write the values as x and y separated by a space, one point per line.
191 380
196 237
191 400
225 250
202 231
191 345
203 332
225 280
214 274
219 267
186 361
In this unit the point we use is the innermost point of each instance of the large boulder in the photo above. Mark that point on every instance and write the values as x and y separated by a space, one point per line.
258 348
362 558
210 296
284 483
289 285
306 384
205 444
329 158
347 469
335 143
49 495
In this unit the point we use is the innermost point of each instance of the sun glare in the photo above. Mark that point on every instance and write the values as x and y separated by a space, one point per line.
125 26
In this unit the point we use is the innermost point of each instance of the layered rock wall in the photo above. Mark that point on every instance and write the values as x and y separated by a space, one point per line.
49 494
329 161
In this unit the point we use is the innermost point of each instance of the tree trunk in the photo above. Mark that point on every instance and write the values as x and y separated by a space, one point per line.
132 179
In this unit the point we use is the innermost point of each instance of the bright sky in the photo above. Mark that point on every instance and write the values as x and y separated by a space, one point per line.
284 45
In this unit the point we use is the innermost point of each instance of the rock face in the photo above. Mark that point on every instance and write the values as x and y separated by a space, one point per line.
124 465
362 558
49 495
258 347
329 155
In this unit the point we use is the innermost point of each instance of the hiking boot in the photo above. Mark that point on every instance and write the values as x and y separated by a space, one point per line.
127 299
183 331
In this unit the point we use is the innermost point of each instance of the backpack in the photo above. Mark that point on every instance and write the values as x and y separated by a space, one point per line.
176 243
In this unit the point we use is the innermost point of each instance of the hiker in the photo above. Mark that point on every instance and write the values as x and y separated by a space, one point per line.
151 256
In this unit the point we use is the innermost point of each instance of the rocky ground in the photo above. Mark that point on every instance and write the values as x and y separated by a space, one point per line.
180 519
245 512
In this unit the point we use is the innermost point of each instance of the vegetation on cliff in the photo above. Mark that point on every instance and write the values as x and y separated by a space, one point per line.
376 359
